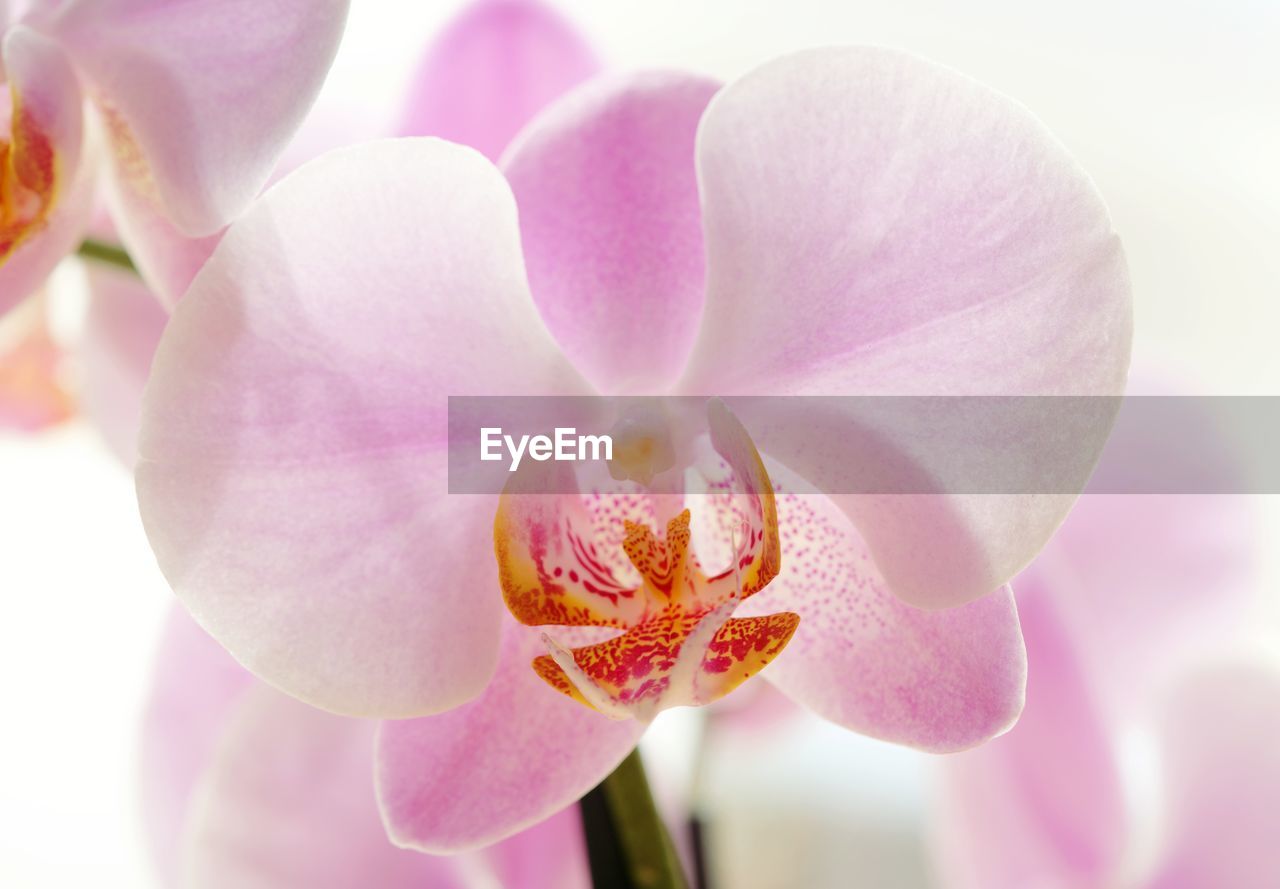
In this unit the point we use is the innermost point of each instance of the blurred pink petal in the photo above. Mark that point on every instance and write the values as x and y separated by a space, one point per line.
287 801
918 233
46 177
491 768
939 681
611 226
197 688
1222 774
292 474
121 331
200 97
33 394
248 788
1145 581
1042 805
494 67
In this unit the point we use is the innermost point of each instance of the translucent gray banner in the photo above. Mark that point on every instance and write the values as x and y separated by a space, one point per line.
894 444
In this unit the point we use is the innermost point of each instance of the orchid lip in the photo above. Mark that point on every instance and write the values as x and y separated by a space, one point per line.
680 644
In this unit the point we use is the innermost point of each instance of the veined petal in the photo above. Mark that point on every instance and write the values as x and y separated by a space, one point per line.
1042 805
293 452
46 190
492 69
939 681
200 97
919 234
121 331
611 226
498 764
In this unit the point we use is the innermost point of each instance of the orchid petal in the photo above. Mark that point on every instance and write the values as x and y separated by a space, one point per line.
494 766
166 259
46 183
197 688
939 681
918 234
121 331
32 391
492 69
1222 768
293 464
1146 580
200 97
287 801
1042 805
611 226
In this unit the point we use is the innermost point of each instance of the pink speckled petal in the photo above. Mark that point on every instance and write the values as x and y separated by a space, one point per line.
1222 774
200 97
498 764
611 226
46 177
121 331
939 681
917 233
292 459
492 69
197 687
1042 805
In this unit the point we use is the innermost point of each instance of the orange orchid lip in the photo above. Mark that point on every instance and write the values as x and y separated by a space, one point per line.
28 179
680 645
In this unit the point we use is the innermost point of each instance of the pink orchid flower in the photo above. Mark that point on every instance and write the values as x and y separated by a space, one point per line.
196 101
246 787
479 81
1133 590
837 221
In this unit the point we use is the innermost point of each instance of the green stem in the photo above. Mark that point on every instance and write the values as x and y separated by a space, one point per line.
646 845
99 251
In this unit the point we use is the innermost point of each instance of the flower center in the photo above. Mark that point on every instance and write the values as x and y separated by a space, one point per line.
28 175
680 644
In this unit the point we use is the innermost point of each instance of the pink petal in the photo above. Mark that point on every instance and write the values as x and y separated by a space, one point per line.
1145 581
492 69
1222 773
166 258
1042 805
509 759
197 688
121 331
918 234
287 801
42 156
292 474
939 681
611 226
200 97
33 391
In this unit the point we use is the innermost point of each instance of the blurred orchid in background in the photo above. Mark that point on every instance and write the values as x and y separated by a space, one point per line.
196 101
1127 600
247 787
478 82
292 469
